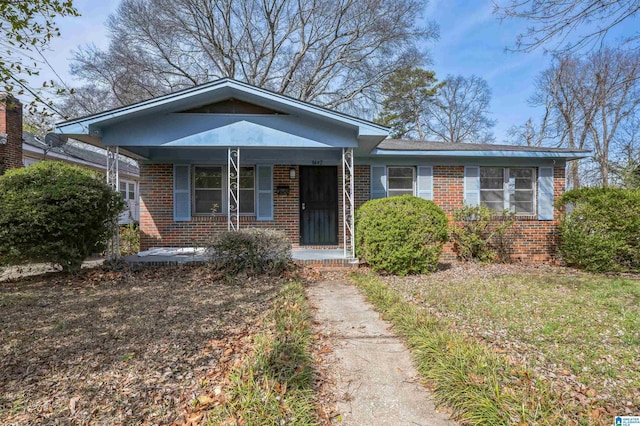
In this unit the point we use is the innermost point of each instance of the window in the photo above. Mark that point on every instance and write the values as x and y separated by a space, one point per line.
210 190
207 188
123 190
508 189
128 190
28 161
400 181
522 185
247 190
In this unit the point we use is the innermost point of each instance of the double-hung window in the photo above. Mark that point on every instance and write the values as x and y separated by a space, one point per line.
247 190
400 181
510 189
208 184
210 190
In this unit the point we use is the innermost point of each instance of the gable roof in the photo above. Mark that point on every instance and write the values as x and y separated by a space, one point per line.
218 90
97 157
431 148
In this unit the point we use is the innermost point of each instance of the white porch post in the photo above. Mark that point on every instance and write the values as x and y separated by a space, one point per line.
233 198
348 206
113 179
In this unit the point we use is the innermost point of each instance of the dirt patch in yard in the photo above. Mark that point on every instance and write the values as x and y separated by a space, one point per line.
119 347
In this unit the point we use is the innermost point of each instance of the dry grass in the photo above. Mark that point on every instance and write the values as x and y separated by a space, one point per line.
579 332
118 348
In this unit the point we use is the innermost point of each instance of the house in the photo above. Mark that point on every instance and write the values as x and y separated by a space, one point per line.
23 148
35 149
228 155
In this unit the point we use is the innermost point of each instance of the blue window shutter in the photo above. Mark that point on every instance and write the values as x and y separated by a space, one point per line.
181 192
425 182
472 185
378 182
545 193
264 208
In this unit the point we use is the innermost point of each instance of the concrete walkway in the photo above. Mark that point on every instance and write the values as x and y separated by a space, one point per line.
376 382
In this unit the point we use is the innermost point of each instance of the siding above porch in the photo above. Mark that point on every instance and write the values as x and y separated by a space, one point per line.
209 130
190 118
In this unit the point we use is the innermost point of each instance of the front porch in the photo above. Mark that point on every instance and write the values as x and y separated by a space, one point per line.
163 256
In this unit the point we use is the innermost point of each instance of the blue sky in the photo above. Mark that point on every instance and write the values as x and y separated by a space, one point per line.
472 41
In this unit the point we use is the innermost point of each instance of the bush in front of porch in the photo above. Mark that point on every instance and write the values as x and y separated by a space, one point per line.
401 235
252 251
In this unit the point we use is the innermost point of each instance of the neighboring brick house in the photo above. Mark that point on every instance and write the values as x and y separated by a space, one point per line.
20 148
304 169
10 133
35 149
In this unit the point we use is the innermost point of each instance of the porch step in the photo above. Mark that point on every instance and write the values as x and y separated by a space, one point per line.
328 263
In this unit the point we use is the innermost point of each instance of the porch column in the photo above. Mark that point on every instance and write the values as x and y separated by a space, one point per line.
348 207
113 179
233 198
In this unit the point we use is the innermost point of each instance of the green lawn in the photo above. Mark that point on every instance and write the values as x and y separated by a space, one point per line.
579 333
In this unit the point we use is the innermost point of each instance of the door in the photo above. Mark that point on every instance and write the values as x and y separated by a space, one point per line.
128 191
318 205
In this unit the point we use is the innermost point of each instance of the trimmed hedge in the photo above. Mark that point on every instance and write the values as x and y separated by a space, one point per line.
601 230
401 235
57 213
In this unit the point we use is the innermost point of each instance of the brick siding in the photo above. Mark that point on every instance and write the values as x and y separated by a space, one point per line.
156 211
11 125
529 240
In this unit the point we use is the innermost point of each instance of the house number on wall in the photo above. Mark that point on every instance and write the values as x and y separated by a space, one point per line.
316 162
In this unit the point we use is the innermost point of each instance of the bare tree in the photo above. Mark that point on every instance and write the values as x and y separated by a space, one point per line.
614 85
533 133
625 161
26 28
569 25
587 100
87 100
558 89
460 112
332 52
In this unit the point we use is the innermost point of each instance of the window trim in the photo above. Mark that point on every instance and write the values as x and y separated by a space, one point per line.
224 189
506 193
130 190
413 180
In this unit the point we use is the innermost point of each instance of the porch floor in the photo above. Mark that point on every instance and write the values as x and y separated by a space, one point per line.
168 255
316 254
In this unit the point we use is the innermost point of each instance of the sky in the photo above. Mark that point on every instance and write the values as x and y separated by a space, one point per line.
472 41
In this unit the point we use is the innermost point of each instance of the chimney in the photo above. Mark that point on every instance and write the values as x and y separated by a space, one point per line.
10 133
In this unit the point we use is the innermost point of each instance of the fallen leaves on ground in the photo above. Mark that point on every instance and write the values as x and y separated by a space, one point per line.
122 347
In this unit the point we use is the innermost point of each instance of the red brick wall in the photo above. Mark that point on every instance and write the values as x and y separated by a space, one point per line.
156 211
362 190
529 239
448 187
11 125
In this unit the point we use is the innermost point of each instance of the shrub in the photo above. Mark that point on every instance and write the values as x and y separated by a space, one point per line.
601 230
57 213
129 239
251 250
478 235
401 235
